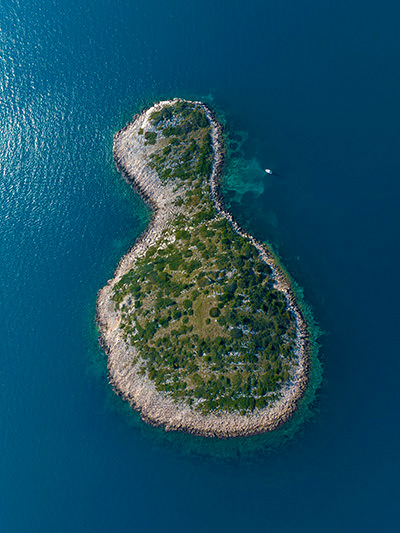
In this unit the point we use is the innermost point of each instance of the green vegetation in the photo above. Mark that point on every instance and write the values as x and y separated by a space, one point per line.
151 137
200 308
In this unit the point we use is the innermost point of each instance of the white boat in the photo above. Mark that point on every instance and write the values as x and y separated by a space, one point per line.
268 171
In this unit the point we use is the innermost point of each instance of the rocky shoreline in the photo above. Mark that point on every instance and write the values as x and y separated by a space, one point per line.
131 158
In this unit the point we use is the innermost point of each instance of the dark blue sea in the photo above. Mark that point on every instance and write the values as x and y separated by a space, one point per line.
309 89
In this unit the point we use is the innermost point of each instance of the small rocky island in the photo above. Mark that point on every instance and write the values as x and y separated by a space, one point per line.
202 328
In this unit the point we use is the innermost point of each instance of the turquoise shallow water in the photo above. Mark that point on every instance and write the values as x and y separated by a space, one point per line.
310 90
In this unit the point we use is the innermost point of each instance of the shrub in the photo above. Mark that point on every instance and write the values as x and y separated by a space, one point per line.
191 265
187 304
237 333
151 137
176 314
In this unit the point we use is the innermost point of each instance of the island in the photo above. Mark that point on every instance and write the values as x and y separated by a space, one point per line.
201 324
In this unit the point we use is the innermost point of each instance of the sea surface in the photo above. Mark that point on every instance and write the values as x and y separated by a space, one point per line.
309 89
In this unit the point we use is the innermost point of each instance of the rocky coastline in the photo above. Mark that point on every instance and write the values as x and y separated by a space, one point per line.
131 158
